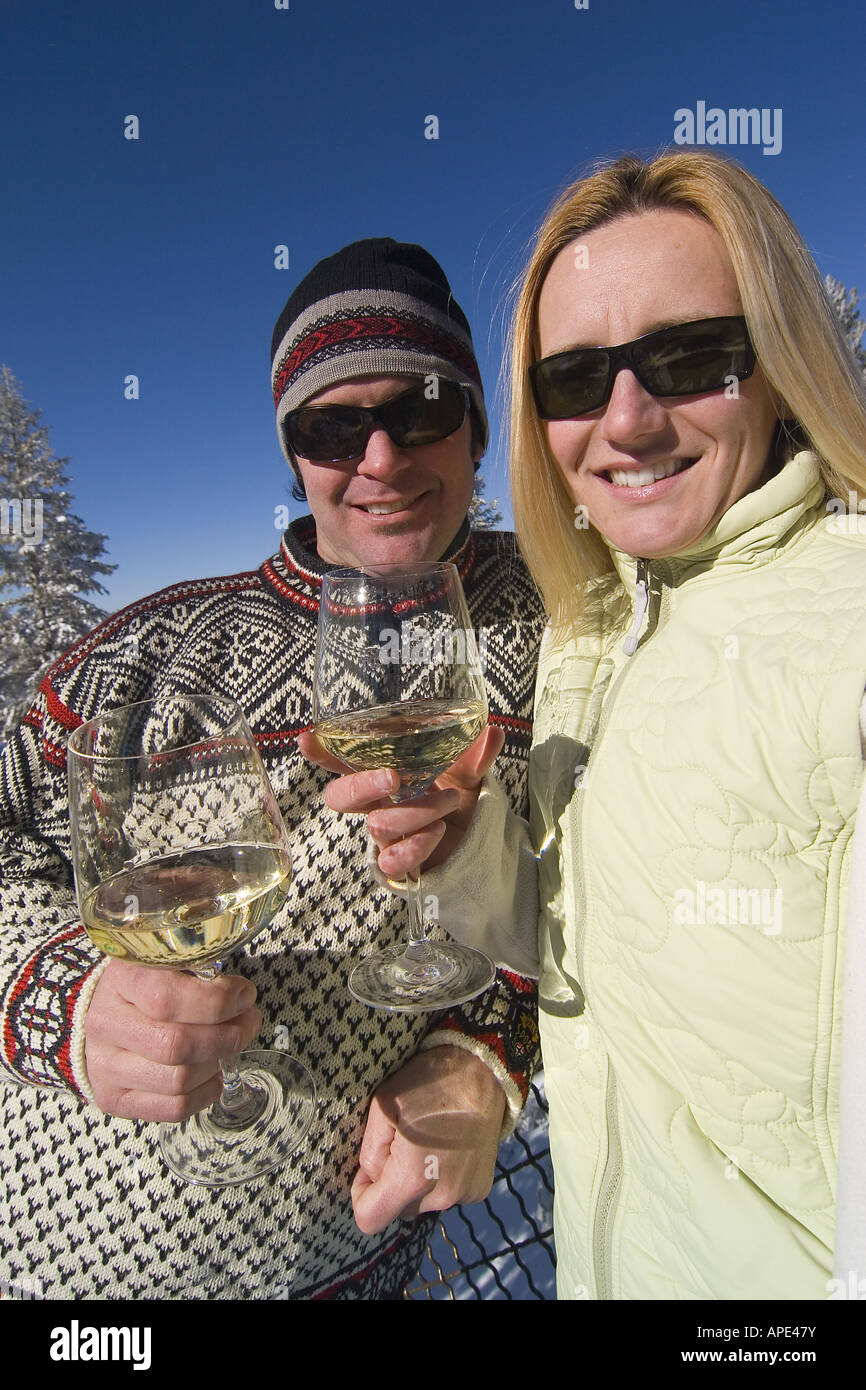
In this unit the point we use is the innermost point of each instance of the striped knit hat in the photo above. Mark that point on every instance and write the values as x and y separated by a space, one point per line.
378 307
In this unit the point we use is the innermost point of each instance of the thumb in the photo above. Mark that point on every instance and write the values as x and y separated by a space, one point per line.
470 769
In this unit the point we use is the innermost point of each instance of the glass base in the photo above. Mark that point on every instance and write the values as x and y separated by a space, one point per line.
218 1148
447 974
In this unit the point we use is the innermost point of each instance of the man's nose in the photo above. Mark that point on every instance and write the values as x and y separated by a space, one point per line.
382 455
632 411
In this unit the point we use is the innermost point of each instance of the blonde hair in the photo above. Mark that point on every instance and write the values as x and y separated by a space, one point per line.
806 362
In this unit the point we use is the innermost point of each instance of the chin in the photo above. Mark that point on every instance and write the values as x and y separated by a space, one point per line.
400 548
654 542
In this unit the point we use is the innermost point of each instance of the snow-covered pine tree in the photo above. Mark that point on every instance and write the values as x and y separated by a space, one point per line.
48 558
483 515
845 302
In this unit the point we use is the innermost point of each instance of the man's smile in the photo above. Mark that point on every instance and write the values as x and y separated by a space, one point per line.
388 506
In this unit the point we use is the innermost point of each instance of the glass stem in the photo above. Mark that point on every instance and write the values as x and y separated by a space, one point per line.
235 1091
416 948
233 1086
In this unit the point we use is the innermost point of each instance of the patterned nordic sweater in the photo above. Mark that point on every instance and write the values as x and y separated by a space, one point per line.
87 1209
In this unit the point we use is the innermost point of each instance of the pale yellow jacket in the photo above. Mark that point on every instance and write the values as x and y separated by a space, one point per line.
693 805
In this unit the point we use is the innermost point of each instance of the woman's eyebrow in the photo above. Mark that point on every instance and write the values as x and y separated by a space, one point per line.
654 326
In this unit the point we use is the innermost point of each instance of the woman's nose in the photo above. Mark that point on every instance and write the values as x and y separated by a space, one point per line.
632 411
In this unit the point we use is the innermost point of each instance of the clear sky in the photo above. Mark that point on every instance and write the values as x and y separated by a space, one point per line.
305 127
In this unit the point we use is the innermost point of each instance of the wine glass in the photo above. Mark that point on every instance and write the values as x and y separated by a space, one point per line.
180 854
398 684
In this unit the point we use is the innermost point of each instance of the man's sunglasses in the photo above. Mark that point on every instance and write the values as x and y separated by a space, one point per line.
337 433
683 360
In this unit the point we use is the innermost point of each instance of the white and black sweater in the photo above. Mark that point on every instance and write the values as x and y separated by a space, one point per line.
88 1210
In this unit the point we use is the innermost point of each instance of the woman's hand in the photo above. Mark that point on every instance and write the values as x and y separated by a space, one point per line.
415 835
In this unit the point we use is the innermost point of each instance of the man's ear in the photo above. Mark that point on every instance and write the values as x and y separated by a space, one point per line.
477 453
476 448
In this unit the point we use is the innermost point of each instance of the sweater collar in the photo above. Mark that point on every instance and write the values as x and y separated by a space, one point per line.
297 569
752 531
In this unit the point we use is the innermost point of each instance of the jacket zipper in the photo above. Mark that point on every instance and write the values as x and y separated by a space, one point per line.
603 1222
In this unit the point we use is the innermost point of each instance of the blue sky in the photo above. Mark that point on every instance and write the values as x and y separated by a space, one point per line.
305 127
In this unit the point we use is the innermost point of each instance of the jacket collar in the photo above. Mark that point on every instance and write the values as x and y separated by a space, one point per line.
751 532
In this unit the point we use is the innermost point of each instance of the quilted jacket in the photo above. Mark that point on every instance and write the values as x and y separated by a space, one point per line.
694 781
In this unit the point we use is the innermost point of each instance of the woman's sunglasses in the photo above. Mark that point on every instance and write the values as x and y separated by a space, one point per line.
683 360
337 433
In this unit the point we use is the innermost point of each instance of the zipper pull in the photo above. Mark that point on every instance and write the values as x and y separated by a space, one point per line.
641 604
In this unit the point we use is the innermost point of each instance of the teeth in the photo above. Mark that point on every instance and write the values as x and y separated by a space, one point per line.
640 477
385 508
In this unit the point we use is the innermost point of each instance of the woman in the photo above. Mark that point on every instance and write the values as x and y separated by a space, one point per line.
684 410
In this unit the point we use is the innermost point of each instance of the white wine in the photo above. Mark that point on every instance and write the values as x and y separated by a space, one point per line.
419 739
188 909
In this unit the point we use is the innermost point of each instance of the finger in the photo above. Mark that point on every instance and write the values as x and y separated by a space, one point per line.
394 822
168 1042
177 996
315 752
362 791
360 1184
440 1198
407 856
382 1202
379 1134
144 1105
472 766
127 1071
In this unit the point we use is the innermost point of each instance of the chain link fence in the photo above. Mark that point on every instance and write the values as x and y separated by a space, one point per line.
502 1247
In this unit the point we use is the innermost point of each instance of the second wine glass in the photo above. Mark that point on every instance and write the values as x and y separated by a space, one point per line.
180 855
399 684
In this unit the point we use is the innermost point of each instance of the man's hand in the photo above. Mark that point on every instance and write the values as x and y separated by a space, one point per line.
154 1039
418 834
431 1138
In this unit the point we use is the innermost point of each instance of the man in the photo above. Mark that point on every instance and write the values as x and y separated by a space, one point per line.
104 1048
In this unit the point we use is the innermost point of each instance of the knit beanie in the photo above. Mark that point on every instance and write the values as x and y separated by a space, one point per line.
378 307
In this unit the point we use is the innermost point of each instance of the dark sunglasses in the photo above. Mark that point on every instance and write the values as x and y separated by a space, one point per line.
682 360
337 433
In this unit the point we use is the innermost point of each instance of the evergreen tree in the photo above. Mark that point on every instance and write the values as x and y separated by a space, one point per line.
845 303
48 558
483 515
